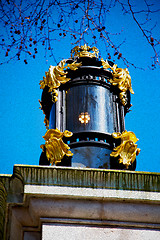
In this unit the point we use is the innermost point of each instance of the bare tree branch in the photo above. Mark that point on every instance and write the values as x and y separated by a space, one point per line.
26 25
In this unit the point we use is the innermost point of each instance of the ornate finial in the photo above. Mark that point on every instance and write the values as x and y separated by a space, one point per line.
84 51
127 150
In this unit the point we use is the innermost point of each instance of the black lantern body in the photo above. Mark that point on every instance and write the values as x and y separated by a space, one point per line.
89 106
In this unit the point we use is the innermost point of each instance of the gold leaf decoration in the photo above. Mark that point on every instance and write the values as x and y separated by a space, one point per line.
127 150
84 51
121 78
55 147
57 76
54 95
54 77
74 66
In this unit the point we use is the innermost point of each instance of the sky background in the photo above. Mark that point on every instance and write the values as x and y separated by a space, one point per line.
21 120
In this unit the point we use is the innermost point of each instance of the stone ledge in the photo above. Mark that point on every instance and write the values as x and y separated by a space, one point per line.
90 193
76 177
89 178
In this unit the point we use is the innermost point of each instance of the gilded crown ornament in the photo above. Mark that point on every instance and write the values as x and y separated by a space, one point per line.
84 51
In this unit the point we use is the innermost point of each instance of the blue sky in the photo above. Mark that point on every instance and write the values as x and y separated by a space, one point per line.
21 119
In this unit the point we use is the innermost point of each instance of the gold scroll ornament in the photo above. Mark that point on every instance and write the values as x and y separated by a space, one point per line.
54 78
55 147
127 150
57 76
121 78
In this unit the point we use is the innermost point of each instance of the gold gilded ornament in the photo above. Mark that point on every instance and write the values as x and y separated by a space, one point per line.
84 51
46 121
57 76
127 150
54 77
121 78
55 147
54 95
74 66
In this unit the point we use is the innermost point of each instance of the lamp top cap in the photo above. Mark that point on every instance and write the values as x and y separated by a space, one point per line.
84 51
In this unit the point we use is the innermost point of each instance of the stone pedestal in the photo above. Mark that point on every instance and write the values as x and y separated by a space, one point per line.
79 203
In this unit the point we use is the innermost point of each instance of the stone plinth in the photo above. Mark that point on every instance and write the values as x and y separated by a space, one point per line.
39 202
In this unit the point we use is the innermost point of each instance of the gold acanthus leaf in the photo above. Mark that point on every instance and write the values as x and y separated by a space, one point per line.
57 76
127 150
74 66
55 147
54 78
121 78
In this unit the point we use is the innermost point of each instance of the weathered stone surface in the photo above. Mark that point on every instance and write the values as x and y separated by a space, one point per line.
72 232
111 201
88 177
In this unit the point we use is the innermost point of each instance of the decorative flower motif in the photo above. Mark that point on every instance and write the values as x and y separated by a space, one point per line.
55 147
127 150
